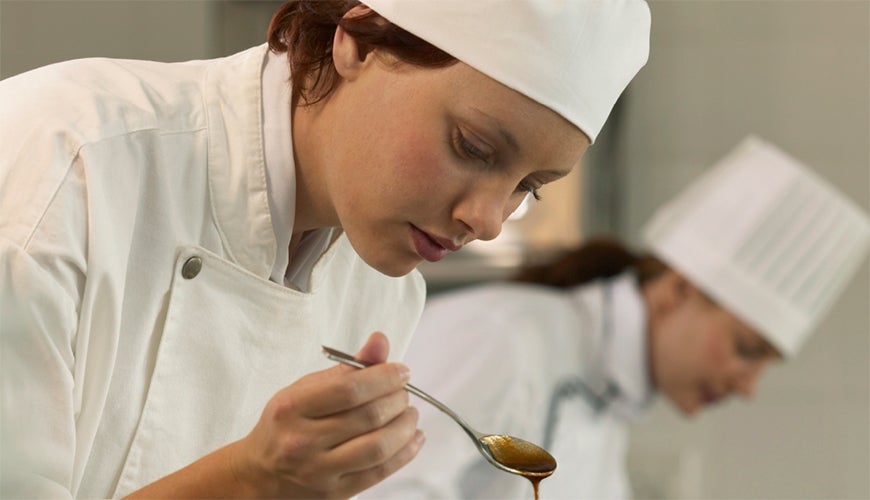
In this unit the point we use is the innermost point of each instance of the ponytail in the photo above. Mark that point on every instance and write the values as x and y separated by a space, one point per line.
598 258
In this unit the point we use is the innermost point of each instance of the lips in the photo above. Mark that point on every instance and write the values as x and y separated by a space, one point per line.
430 247
709 397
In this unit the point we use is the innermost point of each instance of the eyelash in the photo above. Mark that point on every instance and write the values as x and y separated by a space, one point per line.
749 352
470 151
525 186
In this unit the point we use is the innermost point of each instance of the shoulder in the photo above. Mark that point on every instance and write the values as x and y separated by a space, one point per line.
90 99
94 98
52 114
514 321
98 113
504 303
497 293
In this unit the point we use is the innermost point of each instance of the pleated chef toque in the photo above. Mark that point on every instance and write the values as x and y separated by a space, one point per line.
766 238
573 56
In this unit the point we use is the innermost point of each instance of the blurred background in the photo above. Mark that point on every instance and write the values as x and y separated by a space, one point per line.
794 72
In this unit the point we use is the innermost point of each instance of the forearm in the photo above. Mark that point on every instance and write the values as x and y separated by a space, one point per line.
223 473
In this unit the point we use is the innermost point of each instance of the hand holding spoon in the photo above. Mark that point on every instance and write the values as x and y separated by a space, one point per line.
507 453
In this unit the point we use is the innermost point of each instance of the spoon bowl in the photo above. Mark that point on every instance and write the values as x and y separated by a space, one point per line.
508 453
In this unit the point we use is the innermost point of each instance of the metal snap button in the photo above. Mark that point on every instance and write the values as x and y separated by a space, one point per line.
191 268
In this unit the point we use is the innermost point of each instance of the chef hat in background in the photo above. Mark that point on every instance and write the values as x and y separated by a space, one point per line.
573 56
766 238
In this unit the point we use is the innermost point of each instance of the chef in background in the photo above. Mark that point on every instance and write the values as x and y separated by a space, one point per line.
741 267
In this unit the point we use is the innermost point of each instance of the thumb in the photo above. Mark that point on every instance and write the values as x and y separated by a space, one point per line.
376 349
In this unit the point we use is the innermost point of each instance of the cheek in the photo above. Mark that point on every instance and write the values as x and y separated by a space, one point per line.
421 165
691 348
717 349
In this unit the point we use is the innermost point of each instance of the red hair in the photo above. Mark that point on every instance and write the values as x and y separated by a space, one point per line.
304 30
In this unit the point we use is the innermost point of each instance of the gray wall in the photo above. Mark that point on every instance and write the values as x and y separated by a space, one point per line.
38 32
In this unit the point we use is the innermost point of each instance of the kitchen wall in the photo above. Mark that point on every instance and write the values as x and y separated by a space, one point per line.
794 72
38 32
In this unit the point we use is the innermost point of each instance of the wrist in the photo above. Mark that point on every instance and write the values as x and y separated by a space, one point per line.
252 479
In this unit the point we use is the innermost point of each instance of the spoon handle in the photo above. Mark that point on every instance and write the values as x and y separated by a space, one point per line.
347 359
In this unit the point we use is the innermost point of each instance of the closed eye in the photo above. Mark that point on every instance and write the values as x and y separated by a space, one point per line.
468 150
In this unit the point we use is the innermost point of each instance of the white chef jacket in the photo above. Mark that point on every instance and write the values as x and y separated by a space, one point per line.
565 369
139 328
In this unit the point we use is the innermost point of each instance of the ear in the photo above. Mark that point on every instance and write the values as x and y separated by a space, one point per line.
674 290
348 55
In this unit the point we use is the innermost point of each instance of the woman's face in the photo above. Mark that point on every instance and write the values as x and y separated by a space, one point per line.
700 354
414 163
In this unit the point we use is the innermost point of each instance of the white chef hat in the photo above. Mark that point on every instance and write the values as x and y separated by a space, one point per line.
573 56
766 238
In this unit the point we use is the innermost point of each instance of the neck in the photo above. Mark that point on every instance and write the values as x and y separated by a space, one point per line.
313 204
653 307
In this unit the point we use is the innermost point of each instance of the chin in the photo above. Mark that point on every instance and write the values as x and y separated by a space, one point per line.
397 273
691 412
390 265
688 409
393 268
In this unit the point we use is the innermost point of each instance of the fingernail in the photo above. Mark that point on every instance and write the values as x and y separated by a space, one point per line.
405 373
419 437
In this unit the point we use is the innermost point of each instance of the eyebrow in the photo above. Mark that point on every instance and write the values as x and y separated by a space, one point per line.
769 348
774 352
558 173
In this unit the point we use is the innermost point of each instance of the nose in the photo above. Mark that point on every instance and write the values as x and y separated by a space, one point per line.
747 381
483 213
746 388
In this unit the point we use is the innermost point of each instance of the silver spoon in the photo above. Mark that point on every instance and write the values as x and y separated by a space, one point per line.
507 453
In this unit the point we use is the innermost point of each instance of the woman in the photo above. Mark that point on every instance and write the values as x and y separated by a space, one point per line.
743 265
178 240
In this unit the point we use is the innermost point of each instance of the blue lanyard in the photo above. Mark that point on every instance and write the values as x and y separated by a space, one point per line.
575 386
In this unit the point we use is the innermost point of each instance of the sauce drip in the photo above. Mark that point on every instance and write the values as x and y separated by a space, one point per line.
533 462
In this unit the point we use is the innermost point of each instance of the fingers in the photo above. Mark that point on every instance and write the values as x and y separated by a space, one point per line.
366 478
376 349
369 458
365 460
340 427
334 391
377 446
342 388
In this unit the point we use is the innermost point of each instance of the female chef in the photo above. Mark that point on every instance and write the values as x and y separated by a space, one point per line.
178 240
574 349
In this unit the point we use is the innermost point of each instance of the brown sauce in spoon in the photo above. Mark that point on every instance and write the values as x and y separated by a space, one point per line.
533 462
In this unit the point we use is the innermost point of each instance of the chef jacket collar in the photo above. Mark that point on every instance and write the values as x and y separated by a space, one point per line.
237 171
626 360
281 179
236 167
278 149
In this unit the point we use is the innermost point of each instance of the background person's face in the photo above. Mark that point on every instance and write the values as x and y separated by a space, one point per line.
417 156
700 354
